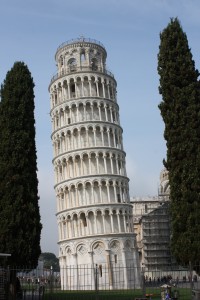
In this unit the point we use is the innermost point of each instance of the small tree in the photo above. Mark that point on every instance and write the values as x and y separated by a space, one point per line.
180 109
50 260
20 225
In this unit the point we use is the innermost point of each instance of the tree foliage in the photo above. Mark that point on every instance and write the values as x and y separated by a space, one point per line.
20 225
180 110
50 260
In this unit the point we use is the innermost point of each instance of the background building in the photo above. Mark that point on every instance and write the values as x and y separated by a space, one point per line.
152 226
94 214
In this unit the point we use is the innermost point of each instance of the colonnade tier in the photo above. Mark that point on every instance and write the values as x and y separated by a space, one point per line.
88 192
83 111
87 136
83 50
100 221
93 163
82 85
109 244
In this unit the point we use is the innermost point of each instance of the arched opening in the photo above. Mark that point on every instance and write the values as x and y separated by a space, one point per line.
72 64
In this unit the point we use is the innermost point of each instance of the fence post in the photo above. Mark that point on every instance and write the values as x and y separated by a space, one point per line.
96 282
51 280
191 277
143 282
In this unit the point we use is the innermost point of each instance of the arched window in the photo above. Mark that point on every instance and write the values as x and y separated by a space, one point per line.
83 55
72 64
94 64
61 61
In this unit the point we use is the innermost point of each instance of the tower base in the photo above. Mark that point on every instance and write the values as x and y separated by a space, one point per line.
104 263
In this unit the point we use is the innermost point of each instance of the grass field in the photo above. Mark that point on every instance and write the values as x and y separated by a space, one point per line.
184 294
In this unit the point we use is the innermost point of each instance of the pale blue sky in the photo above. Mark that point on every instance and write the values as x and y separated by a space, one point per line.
31 31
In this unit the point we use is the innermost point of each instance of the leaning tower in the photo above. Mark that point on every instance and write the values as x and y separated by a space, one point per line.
94 213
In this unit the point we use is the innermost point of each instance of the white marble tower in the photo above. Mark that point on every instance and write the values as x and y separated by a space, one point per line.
94 213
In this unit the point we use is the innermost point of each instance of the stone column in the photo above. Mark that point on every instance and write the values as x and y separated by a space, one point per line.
124 218
88 225
108 86
77 114
90 89
78 226
102 137
111 162
99 108
95 223
103 85
114 139
82 86
111 220
120 191
108 133
108 191
72 228
90 253
69 91
59 230
77 199
106 113
111 115
110 275
97 87
79 137
84 112
81 158
64 274
75 285
105 165
89 160
118 169
118 220
92 112
92 190
97 161
95 138
125 268
112 91
75 83
74 166
103 218
87 137
136 266
115 192
85 196
100 193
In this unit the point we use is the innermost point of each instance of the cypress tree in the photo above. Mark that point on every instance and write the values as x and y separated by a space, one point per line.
20 225
180 110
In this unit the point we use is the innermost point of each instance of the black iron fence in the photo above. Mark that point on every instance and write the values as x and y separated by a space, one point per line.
98 283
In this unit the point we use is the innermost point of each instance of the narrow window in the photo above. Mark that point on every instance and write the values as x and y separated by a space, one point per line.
84 221
115 257
100 270
118 198
83 56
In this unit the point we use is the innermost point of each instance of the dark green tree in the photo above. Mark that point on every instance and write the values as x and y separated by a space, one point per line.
180 110
50 260
20 225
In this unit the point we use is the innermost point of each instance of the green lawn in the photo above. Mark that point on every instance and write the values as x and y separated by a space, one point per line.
101 295
184 294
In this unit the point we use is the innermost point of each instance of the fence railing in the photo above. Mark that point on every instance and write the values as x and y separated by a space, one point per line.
98 282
